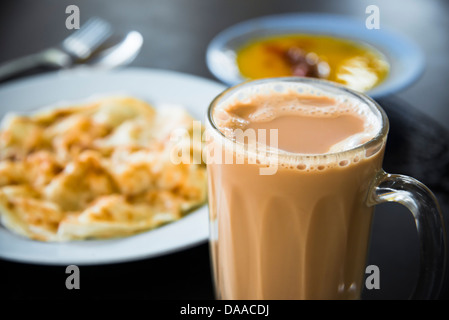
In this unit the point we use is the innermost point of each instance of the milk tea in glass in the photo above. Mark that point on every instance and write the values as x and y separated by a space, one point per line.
295 170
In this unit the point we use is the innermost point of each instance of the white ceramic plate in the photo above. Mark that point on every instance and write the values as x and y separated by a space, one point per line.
406 59
156 86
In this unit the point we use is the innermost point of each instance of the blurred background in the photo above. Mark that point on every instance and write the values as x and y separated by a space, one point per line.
176 34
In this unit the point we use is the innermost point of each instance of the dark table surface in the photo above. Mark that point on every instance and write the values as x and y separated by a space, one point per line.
176 36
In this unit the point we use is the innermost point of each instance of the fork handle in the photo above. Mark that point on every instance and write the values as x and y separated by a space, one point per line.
50 57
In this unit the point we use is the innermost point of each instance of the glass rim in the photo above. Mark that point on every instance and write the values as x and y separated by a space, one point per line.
379 138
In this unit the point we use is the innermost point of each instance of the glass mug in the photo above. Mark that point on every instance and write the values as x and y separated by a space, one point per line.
303 232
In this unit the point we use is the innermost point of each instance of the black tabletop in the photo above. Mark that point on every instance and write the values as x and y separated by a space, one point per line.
176 35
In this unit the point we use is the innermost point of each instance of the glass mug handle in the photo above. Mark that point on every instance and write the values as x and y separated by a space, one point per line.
429 223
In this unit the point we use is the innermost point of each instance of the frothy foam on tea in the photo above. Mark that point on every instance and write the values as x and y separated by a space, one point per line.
306 120
300 230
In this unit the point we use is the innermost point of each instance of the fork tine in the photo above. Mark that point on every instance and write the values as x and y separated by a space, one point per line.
85 40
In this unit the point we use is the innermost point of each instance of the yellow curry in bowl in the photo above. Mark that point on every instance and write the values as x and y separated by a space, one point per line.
353 64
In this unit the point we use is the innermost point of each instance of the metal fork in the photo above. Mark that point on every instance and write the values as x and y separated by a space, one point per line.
77 47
